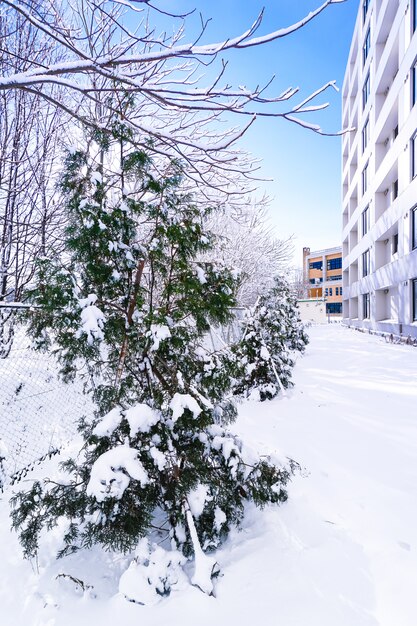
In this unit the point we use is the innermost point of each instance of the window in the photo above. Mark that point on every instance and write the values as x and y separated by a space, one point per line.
337 277
415 300
414 228
395 244
365 263
366 90
365 6
414 83
326 292
413 151
395 132
341 291
365 179
365 220
334 264
366 309
337 291
365 135
316 265
366 46
334 308
395 189
330 291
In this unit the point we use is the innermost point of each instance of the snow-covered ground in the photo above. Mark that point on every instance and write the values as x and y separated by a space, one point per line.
341 552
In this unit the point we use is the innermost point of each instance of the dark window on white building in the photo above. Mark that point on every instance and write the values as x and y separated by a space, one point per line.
365 6
415 300
366 309
365 134
414 83
366 90
414 228
365 220
395 244
365 263
395 189
413 153
366 45
365 179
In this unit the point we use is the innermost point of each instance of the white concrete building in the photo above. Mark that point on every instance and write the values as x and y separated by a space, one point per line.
379 168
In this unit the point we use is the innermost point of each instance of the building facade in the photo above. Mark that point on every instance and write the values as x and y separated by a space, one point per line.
379 168
322 271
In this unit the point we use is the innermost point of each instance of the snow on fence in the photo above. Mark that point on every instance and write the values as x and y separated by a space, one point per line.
38 412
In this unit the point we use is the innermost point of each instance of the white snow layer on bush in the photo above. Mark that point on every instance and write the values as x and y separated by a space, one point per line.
182 401
219 518
201 275
197 499
92 319
158 332
265 353
140 417
152 574
158 457
108 423
112 471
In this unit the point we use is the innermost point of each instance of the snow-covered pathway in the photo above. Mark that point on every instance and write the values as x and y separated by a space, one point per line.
341 552
351 421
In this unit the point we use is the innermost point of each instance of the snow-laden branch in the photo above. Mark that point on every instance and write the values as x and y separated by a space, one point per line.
100 65
132 65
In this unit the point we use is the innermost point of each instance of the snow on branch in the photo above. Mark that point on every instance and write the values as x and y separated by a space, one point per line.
157 84
112 471
133 65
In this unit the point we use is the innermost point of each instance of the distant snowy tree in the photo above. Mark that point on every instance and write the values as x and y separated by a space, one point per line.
30 130
298 283
247 241
282 298
132 304
273 331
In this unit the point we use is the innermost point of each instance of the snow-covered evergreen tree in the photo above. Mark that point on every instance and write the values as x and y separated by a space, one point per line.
282 300
263 356
131 305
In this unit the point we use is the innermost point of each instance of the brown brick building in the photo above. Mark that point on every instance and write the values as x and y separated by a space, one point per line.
322 272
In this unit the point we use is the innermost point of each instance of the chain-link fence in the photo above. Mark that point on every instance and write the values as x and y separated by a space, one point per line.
38 412
220 336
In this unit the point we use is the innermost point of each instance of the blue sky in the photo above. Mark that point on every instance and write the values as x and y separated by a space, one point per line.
305 167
